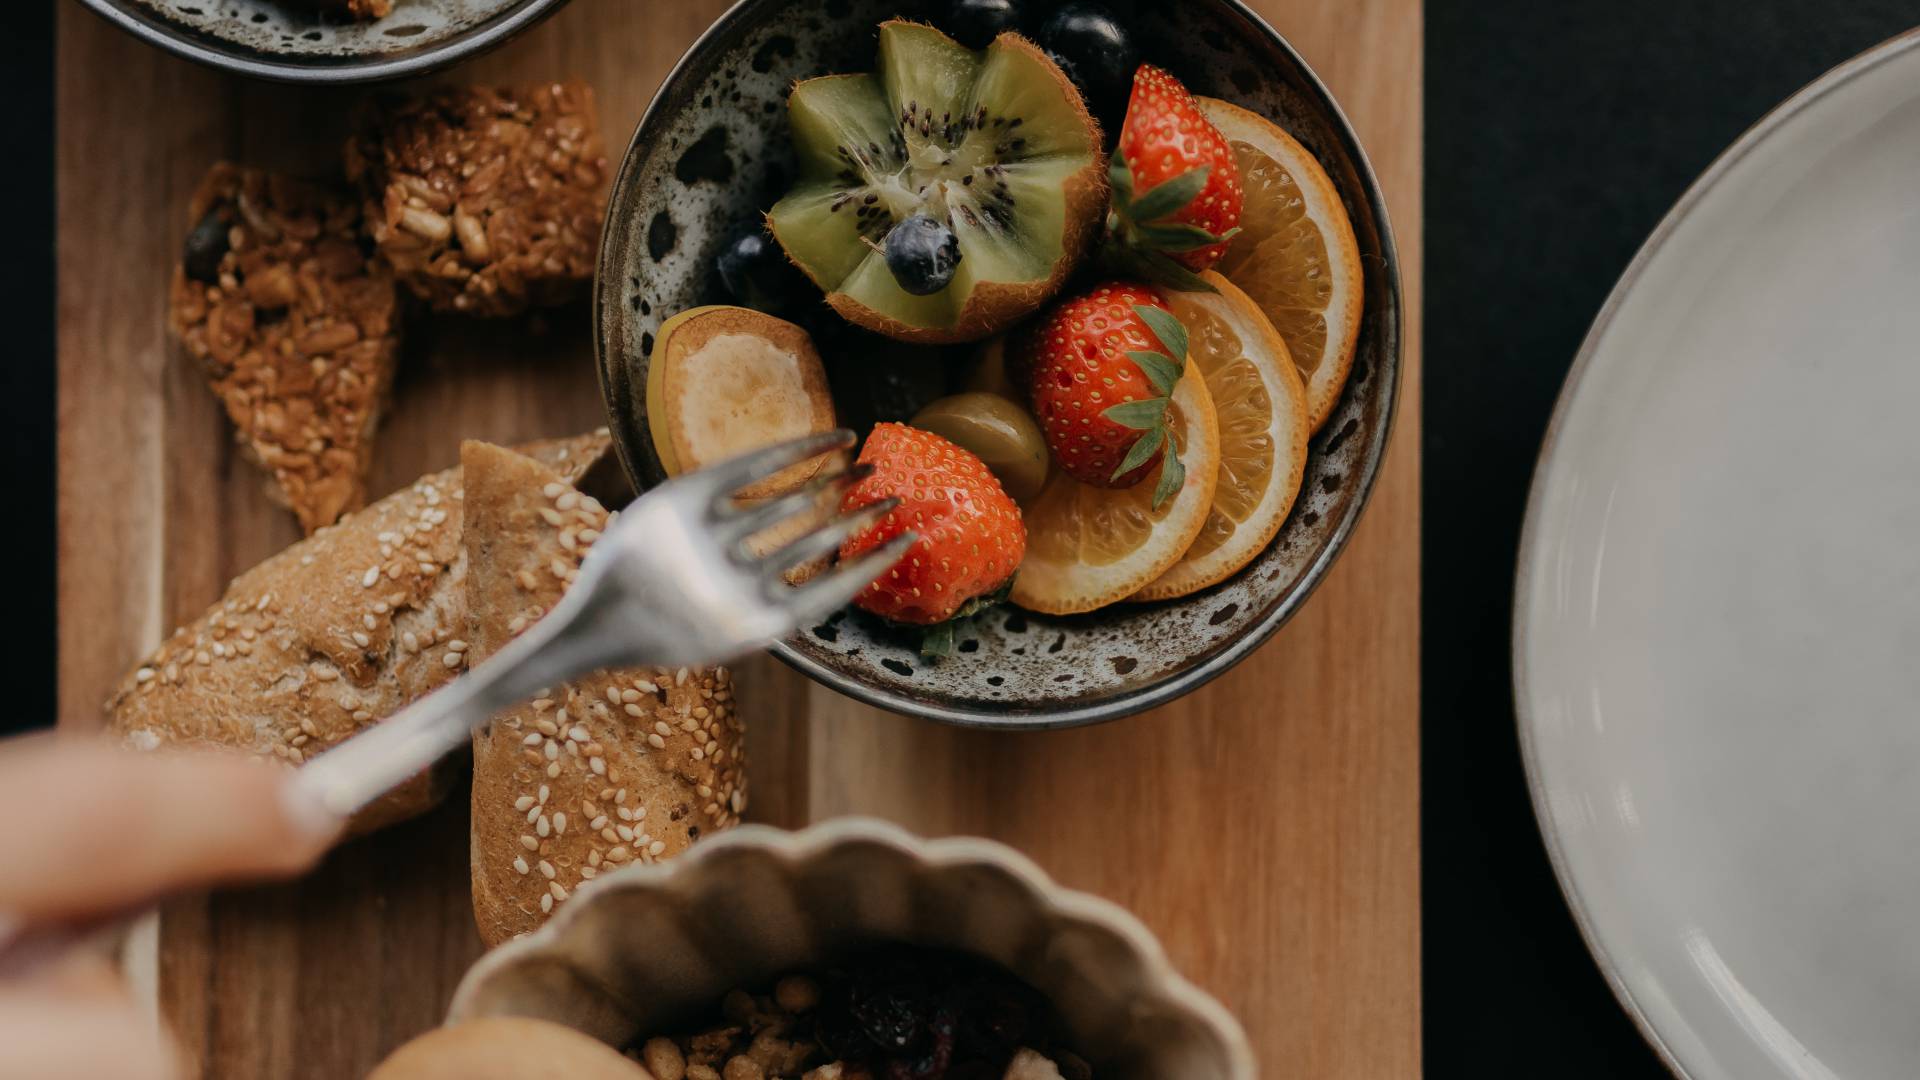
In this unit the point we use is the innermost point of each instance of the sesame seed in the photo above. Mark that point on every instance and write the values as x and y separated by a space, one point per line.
362 715
568 500
588 808
619 854
533 738
623 813
588 873
456 645
547 727
705 791
544 792
551 516
546 869
646 686
663 727
697 754
367 579
593 857
620 796
609 835
325 674
519 865
533 814
559 821
680 677
410 641
543 827
656 742
557 890
598 823
578 734
553 490
598 765
295 756
546 903
529 843
625 832
656 847
523 803
369 621
633 710
553 770
553 751
451 660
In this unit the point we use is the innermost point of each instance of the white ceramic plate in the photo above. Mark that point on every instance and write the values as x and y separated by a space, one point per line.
1717 631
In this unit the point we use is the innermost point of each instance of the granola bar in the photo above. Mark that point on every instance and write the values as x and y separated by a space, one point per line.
297 331
485 201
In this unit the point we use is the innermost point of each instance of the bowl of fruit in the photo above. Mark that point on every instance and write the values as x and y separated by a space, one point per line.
1108 291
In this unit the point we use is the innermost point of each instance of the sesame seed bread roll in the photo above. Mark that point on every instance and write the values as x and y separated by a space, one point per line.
616 768
328 637
507 1048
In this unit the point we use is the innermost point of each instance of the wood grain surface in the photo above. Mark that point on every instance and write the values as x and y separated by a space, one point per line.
1265 826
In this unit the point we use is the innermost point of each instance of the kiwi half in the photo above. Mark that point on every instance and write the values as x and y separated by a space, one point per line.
998 145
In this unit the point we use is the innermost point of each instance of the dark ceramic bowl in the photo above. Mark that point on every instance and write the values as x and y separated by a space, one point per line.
287 41
712 153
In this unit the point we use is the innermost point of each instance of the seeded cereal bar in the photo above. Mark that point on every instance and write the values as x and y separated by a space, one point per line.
297 331
485 201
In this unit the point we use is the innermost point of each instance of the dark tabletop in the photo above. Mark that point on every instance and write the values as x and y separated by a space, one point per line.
1558 132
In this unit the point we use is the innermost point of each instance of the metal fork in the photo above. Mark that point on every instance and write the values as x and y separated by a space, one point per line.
670 583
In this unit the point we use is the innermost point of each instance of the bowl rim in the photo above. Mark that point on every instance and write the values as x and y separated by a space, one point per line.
1015 717
792 847
154 30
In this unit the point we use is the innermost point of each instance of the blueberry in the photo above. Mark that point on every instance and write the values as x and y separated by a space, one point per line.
975 23
756 273
922 253
1097 53
206 246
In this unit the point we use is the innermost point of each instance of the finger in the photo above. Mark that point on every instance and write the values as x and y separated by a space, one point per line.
93 829
47 1033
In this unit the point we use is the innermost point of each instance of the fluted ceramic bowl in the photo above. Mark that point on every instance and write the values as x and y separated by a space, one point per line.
650 949
713 151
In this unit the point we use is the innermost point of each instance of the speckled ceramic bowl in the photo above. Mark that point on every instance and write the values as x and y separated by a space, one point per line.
289 41
651 948
712 152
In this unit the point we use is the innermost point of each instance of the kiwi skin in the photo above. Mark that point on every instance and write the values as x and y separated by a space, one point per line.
994 306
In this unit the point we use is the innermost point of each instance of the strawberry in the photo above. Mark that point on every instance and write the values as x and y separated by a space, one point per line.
971 538
1100 370
1176 189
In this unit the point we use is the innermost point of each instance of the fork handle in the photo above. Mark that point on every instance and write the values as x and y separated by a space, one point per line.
561 646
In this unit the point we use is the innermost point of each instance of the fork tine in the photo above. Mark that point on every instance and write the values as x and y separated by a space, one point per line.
730 476
749 521
825 595
827 538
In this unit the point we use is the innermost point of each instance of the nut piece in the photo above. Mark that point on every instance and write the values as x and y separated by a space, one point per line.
297 331
486 201
663 1059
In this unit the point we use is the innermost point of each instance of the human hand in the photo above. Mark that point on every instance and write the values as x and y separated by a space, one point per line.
92 832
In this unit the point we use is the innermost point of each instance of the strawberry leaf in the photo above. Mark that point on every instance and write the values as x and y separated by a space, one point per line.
1159 370
1142 415
1141 451
1172 335
1173 476
1176 237
1170 196
1160 269
1121 178
938 640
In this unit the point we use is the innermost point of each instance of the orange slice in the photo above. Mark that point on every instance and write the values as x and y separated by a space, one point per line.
1088 547
1261 405
1296 255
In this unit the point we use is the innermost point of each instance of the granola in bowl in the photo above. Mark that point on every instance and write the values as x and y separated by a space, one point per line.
485 201
893 1014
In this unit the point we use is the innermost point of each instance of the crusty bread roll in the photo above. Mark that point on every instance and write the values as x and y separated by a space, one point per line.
615 768
507 1048
333 634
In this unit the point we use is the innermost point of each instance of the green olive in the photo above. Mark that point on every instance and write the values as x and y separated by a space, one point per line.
999 432
989 374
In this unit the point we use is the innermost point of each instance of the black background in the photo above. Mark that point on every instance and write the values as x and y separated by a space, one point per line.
1558 132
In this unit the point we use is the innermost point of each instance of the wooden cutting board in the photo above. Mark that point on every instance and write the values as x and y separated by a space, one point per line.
1265 827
